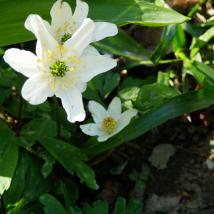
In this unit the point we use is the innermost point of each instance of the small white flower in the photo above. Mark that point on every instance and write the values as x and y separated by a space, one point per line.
107 122
60 70
64 23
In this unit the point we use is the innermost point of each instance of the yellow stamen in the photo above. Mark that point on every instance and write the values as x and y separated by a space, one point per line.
109 125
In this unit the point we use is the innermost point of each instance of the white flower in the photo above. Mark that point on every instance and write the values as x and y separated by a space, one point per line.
107 122
60 70
64 23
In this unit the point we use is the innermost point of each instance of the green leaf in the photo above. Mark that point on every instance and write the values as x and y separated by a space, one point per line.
39 127
120 206
8 156
172 108
51 205
134 207
123 45
164 77
106 83
152 96
5 93
133 11
203 73
27 185
204 69
47 167
13 15
98 207
71 159
69 189
201 41
179 40
165 42
130 93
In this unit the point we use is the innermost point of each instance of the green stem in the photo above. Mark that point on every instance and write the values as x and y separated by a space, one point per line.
19 118
2 205
58 125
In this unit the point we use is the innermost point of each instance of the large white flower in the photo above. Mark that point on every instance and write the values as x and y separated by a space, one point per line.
107 122
64 23
60 70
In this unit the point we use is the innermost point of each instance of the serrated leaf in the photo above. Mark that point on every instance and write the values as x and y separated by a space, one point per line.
98 207
71 159
51 205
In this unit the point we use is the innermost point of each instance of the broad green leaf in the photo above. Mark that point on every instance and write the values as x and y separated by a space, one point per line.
106 83
152 96
133 11
8 156
123 45
71 159
13 15
101 86
51 205
174 107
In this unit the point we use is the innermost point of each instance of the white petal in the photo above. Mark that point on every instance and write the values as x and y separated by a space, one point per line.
81 12
91 66
73 104
103 30
98 112
91 129
103 138
90 50
114 108
35 90
80 39
125 119
60 13
48 27
21 61
81 86
35 24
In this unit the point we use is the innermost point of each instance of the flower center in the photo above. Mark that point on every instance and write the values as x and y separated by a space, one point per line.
65 37
109 125
59 69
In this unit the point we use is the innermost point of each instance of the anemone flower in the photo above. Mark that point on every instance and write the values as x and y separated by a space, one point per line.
107 122
61 70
